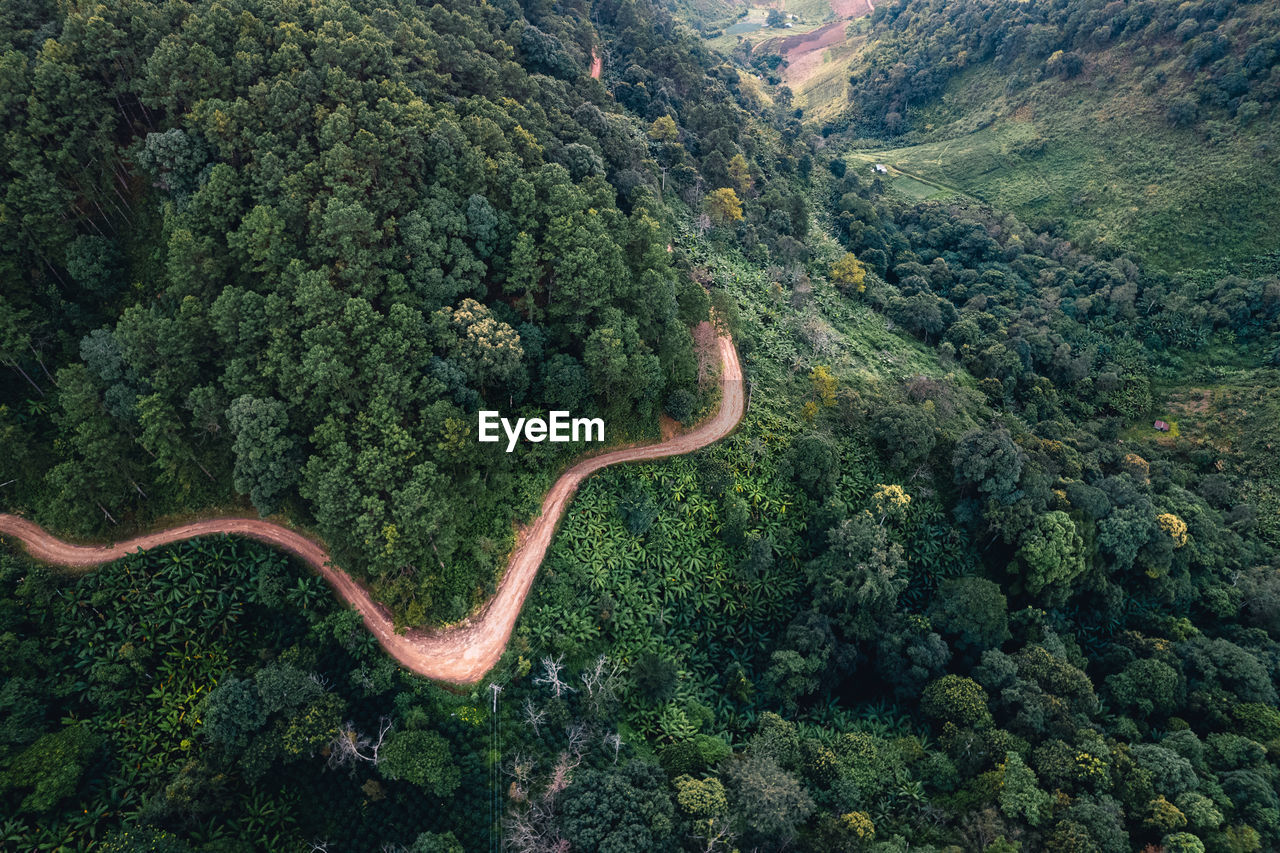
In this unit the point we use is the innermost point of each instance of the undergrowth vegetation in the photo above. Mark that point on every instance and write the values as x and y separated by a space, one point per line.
213 696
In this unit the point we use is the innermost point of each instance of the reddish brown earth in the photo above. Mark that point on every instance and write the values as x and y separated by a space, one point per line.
789 46
804 51
597 63
461 653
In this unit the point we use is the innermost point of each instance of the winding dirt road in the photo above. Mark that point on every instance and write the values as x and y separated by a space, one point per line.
464 652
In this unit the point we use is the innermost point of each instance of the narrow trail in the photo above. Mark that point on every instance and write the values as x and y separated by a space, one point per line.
461 653
597 63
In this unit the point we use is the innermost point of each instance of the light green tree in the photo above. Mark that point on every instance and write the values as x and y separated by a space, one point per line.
1052 552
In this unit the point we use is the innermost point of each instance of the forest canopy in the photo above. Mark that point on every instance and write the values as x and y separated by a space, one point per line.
285 251
946 587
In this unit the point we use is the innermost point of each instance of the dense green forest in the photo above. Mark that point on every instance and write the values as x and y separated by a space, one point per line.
213 692
945 589
285 252
1201 56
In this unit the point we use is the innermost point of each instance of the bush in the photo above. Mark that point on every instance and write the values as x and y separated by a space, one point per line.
681 404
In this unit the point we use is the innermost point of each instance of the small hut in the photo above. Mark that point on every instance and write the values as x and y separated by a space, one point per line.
1162 426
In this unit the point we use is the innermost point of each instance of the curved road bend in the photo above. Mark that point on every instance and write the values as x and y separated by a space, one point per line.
461 653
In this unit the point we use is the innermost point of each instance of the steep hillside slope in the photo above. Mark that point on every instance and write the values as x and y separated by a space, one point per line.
1143 126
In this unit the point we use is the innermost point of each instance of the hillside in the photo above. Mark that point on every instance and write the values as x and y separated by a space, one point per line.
1145 127
980 551
278 257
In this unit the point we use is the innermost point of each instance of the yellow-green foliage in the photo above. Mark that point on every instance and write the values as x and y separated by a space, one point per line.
824 384
723 206
891 501
849 273
1174 526
1164 815
663 129
859 825
701 798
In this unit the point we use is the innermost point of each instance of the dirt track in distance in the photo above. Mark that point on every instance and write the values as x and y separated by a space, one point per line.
461 653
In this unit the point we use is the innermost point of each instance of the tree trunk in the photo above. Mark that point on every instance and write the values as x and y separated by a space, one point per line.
32 382
40 362
109 516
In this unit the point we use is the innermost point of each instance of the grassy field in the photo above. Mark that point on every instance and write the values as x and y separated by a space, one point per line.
917 189
1101 161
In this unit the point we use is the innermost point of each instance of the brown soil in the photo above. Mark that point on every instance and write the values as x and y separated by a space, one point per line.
1193 401
597 63
461 653
804 51
791 46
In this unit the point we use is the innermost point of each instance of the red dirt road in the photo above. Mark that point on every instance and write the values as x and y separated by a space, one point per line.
597 63
461 653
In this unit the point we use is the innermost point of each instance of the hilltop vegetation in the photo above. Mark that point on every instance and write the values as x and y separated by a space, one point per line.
281 254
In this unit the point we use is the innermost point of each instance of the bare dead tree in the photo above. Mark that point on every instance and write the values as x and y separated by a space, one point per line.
578 736
561 775
592 675
533 829
534 716
602 681
318 846
613 740
521 772
349 746
716 835
552 669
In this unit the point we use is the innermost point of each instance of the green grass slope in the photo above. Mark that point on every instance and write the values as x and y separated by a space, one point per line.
1146 127
1098 158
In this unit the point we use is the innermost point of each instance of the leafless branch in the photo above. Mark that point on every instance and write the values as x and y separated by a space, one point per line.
614 741
577 741
717 835
553 668
534 716
349 746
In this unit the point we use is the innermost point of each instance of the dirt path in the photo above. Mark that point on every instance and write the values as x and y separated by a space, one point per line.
462 653
597 63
